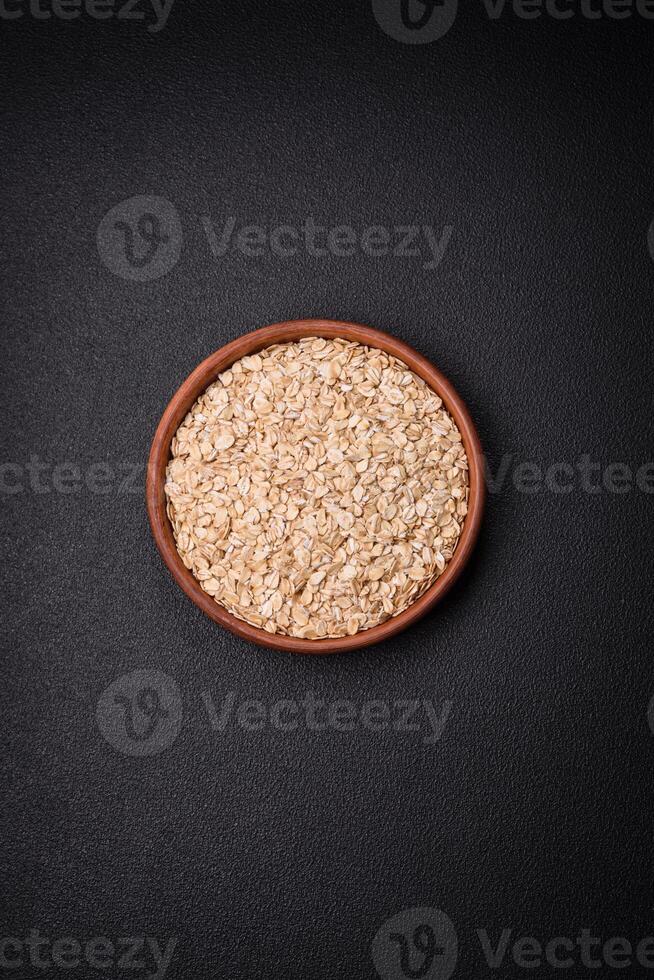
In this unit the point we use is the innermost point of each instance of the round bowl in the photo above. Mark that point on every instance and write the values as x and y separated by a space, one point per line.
196 383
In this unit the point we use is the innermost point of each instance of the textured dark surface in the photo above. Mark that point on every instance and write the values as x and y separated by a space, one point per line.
280 854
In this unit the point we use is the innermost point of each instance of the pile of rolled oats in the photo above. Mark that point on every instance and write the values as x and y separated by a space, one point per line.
317 488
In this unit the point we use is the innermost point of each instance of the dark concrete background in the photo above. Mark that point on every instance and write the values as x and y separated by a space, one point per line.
281 854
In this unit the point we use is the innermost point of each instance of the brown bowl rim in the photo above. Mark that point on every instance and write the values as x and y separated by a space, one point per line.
201 378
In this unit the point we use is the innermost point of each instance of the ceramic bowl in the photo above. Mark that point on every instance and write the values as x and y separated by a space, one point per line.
200 379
